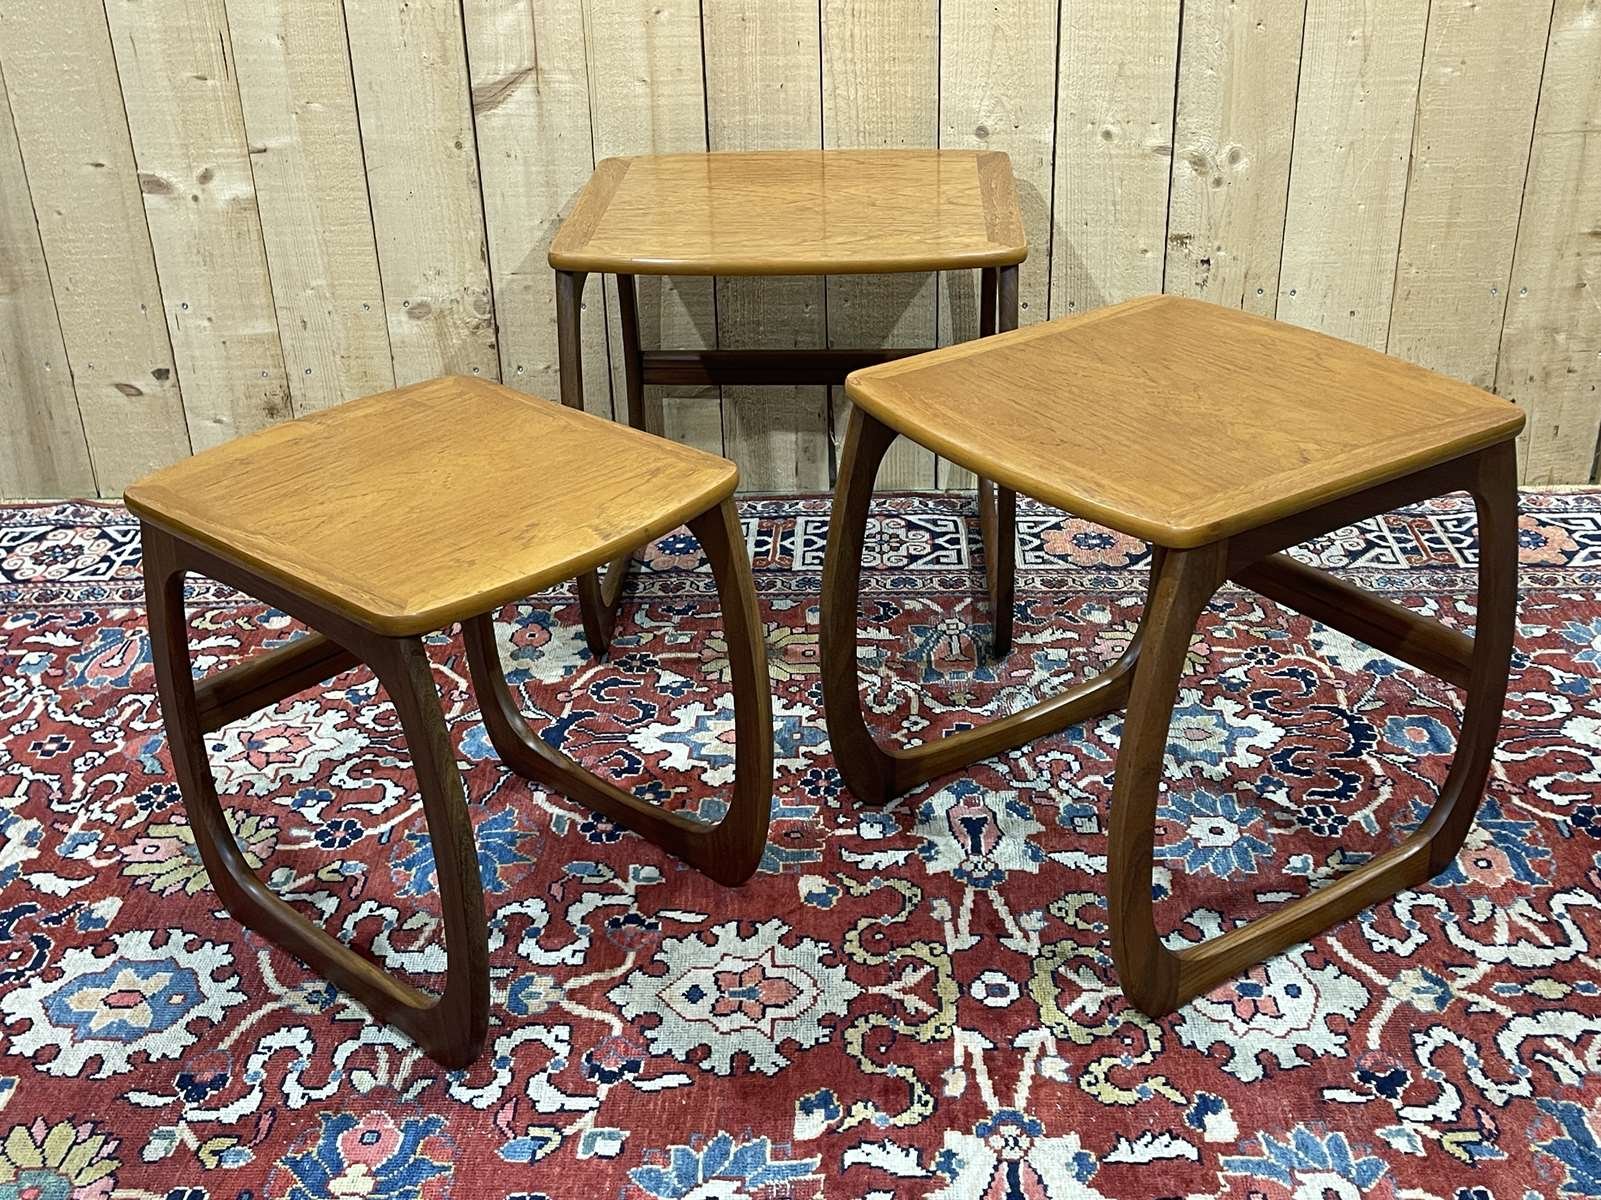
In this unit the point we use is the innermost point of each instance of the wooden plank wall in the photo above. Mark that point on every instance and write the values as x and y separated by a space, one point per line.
215 214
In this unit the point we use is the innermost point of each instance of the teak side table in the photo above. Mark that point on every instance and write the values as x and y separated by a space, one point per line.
787 212
382 520
1221 439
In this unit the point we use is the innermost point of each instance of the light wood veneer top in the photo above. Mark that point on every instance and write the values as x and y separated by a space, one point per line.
417 507
795 212
1177 421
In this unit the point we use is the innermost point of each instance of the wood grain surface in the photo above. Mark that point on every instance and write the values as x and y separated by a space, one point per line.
1178 421
796 212
411 509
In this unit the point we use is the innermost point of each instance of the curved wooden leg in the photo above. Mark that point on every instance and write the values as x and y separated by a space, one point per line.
1495 496
1157 980
876 775
599 597
728 851
1181 585
450 1028
997 506
865 768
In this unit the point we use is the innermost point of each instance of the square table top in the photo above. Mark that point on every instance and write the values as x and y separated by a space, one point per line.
795 212
410 509
1180 422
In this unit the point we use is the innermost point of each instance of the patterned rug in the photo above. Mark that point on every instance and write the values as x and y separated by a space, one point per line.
904 1002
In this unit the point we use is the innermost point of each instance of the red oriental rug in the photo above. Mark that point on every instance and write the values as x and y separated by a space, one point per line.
914 1001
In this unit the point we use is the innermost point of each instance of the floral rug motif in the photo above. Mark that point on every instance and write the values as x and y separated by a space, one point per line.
908 1001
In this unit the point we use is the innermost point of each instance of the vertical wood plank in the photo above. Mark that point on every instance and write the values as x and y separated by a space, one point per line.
1353 140
61 80
1551 345
42 446
410 72
1404 168
1114 150
762 92
1470 152
1236 118
997 91
530 90
299 109
648 96
881 89
188 136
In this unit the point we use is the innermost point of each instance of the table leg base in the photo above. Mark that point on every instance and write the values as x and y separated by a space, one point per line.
728 851
451 1027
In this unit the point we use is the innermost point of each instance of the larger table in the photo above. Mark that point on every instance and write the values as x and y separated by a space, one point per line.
781 212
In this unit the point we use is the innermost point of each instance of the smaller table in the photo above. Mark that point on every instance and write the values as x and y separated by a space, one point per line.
380 521
782 212
1220 438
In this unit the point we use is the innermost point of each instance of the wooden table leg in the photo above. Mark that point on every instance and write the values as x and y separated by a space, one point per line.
728 851
1183 582
997 506
598 593
1157 980
450 1028
876 775
633 353
1495 496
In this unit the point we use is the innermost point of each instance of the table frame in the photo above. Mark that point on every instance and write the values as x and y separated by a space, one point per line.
600 593
1145 680
450 1027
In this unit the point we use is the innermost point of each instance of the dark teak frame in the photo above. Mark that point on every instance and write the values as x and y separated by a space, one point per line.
1145 681
450 1028
599 593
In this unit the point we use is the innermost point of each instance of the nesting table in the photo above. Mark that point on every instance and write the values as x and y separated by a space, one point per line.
803 212
382 520
1221 439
